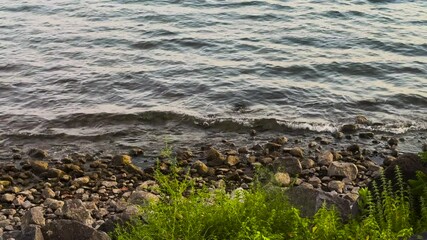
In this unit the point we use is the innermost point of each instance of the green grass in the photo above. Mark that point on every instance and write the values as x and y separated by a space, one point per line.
186 212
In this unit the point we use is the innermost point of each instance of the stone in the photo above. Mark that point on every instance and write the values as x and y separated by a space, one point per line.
8 197
53 203
81 181
243 150
71 230
326 158
393 141
75 209
39 166
33 216
281 140
349 128
232 160
297 152
31 232
389 160
201 168
315 181
26 204
371 166
48 193
343 169
338 135
271 146
55 173
4 183
149 184
354 148
184 154
120 160
366 135
310 200
37 153
337 186
290 165
282 179
109 184
135 152
360 119
142 197
307 163
214 158
408 164
9 211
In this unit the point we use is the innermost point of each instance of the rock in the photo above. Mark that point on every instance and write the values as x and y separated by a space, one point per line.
109 184
315 181
39 166
389 160
135 152
360 119
354 148
148 185
8 197
343 169
408 164
282 179
307 163
371 166
120 160
4 183
281 140
75 209
297 152
184 154
142 197
201 168
326 158
393 141
9 211
33 216
290 165
71 230
37 153
337 186
338 135
349 128
26 204
53 203
366 135
312 144
55 173
31 232
309 201
271 146
243 150
232 160
48 193
81 181
214 158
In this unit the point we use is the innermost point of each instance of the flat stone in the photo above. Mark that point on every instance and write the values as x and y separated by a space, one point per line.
53 203
48 193
37 153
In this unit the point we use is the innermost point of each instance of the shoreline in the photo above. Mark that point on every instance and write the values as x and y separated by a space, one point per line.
109 185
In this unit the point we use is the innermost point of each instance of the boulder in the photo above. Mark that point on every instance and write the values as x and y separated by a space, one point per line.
408 164
232 160
32 232
33 216
310 200
75 209
326 158
120 160
290 165
297 152
71 230
343 169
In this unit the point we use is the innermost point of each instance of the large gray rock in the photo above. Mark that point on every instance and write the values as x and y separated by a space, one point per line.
343 169
33 216
71 230
290 165
75 209
309 201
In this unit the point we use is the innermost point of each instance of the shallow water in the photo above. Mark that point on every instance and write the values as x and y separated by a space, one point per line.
101 69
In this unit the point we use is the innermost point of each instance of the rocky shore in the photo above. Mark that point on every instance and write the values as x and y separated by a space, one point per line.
49 198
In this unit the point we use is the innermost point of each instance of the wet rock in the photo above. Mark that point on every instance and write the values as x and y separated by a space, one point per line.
371 166
120 160
343 169
393 141
389 160
271 146
289 165
33 216
37 153
326 158
71 230
75 209
366 135
282 179
135 152
354 148
349 128
142 197
201 168
338 135
214 158
337 186
360 119
281 140
39 166
309 201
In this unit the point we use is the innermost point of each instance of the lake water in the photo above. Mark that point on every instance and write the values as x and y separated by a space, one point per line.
102 67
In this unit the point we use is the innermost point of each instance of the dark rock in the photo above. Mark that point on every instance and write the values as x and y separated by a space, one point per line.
408 164
297 152
120 160
281 140
393 141
37 153
71 230
75 209
32 232
183 154
349 128
39 166
309 201
354 148
135 152
33 216
214 158
271 146
366 135
362 120
338 135
290 165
